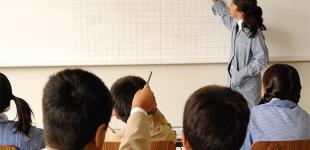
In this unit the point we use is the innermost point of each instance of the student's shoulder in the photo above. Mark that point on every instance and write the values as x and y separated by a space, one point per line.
260 108
157 117
36 129
37 137
36 132
303 112
114 135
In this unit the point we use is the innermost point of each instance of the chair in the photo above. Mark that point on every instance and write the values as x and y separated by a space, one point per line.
162 145
111 145
282 145
156 145
7 147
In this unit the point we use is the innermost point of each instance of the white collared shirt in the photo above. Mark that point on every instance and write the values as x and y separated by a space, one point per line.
240 25
138 109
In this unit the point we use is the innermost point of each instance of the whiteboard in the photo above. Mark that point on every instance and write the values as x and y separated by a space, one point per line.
121 32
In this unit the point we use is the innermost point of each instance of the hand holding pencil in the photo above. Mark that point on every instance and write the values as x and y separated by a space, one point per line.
144 99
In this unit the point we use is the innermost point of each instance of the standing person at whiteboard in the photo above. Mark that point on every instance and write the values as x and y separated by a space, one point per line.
248 53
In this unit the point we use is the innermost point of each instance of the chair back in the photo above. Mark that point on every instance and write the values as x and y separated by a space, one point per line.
163 145
7 147
111 145
155 145
282 145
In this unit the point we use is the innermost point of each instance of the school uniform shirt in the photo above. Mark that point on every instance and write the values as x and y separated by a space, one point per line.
137 136
34 141
277 120
248 56
160 130
3 116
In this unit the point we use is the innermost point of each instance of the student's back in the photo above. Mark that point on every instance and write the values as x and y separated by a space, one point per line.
279 120
21 133
278 116
31 142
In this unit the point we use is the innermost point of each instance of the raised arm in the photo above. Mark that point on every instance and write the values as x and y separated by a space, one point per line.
137 135
221 9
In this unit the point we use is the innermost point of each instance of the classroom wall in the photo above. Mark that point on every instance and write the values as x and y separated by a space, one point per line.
172 84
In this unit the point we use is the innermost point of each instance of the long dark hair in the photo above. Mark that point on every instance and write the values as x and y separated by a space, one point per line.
281 81
252 15
24 112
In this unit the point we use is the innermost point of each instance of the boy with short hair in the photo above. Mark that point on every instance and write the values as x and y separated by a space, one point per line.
123 91
215 118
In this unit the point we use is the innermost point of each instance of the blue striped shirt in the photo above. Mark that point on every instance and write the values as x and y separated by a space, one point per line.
278 120
35 140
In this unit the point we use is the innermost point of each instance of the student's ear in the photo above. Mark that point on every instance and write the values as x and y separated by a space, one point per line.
114 113
185 143
100 135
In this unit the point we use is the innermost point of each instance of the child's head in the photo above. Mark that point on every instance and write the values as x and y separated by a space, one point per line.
23 110
215 118
77 107
281 81
250 13
6 94
123 91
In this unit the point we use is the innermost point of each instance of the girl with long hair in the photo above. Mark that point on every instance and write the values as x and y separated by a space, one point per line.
20 133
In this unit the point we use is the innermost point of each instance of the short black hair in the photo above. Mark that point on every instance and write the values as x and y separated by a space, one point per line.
215 118
123 91
75 104
281 81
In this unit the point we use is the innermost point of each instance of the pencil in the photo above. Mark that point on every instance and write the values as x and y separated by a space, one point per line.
148 80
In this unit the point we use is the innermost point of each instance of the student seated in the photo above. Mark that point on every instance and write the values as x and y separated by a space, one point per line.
278 116
123 91
20 133
215 118
77 107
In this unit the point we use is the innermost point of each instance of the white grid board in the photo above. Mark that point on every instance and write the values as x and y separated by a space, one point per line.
107 32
